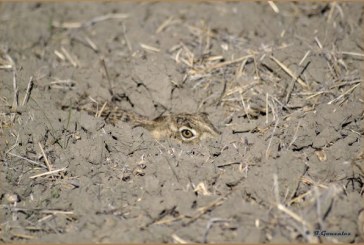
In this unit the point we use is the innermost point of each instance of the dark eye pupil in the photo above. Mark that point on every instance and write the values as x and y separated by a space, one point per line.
187 133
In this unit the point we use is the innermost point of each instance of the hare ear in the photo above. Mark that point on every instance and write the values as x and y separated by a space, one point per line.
203 114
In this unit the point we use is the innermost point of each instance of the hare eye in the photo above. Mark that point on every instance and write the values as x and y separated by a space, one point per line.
186 133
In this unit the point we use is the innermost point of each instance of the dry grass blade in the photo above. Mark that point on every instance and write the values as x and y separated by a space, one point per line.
107 17
62 84
28 91
69 57
342 95
294 216
353 54
177 239
271 138
59 55
91 44
16 91
304 57
99 113
201 211
289 72
23 236
67 25
164 25
316 94
300 198
76 25
26 159
126 38
309 181
103 63
14 145
202 189
45 157
273 6
6 67
346 83
292 85
294 138
169 220
318 42
56 212
149 48
210 224
48 173
219 65
7 63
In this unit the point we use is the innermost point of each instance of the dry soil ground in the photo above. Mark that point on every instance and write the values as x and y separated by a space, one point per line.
281 82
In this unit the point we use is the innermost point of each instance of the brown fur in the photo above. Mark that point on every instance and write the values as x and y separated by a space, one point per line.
166 126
